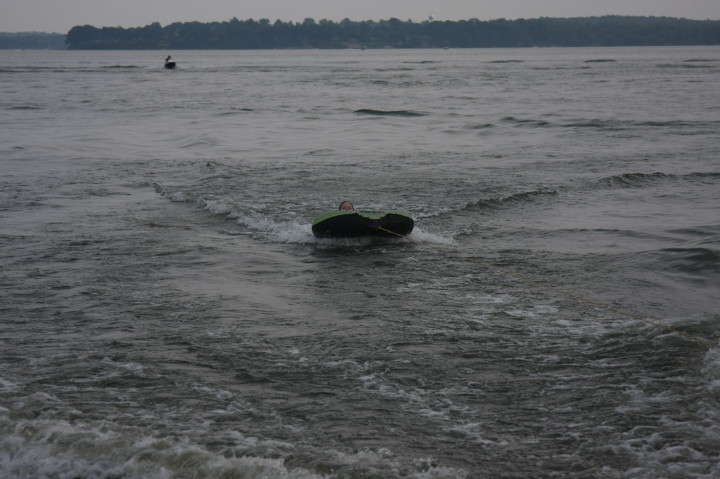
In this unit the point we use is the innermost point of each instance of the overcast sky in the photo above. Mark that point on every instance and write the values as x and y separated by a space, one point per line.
61 15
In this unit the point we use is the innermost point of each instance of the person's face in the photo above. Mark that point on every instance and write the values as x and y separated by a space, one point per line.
346 205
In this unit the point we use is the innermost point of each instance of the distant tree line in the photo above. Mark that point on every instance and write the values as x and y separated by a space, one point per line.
392 33
32 41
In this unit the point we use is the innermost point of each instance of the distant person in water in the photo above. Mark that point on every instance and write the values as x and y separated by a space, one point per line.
346 206
168 59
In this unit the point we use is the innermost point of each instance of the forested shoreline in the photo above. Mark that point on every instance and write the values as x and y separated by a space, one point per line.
392 33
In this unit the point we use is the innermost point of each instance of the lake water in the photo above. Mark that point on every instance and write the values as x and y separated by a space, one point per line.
165 311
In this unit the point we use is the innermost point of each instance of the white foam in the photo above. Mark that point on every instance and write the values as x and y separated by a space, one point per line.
177 197
490 298
711 370
7 386
271 230
383 458
346 242
43 449
295 232
533 312
220 394
276 231
136 368
471 431
426 237
433 414
218 207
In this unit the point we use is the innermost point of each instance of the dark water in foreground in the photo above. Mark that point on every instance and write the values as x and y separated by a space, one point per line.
166 313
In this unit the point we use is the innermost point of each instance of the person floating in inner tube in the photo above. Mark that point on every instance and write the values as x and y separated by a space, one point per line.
346 206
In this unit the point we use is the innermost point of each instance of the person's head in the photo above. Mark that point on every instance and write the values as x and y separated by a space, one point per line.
346 206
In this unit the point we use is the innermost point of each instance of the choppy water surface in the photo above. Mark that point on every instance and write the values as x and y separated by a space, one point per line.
167 313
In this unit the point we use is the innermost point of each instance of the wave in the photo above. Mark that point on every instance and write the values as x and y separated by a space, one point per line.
633 180
527 123
420 236
261 224
288 231
684 65
199 141
235 111
86 449
710 175
681 127
82 449
692 259
120 67
405 113
522 197
615 125
257 224
26 107
593 123
481 126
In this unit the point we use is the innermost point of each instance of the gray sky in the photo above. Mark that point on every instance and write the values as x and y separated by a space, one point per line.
61 15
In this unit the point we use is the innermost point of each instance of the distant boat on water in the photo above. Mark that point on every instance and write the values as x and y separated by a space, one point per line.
169 63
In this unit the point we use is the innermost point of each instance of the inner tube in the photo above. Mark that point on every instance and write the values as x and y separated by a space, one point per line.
353 224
